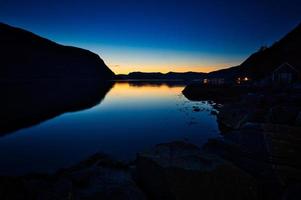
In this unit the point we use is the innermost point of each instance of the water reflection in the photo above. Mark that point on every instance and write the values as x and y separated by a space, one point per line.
24 104
139 83
130 119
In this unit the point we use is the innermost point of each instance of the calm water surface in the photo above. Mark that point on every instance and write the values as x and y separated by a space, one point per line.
131 118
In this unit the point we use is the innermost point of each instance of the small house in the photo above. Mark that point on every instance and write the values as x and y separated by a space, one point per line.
285 74
214 81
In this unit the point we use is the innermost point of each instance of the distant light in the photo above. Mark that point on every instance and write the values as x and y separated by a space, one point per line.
205 81
241 80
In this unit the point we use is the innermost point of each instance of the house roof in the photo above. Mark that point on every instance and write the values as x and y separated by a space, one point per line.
285 65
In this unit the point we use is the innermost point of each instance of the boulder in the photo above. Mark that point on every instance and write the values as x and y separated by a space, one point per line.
282 115
298 120
268 152
234 115
99 177
179 170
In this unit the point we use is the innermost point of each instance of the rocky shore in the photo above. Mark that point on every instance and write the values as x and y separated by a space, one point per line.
175 170
268 106
232 168
201 92
261 136
256 158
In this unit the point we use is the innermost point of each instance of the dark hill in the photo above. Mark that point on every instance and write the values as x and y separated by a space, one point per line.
228 73
25 55
264 61
180 76
288 49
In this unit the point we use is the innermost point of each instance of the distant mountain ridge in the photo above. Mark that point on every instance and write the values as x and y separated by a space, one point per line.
25 55
263 62
163 76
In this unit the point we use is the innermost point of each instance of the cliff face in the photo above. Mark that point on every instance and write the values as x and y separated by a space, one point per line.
25 55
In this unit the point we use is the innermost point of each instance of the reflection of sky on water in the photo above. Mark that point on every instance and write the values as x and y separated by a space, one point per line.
130 119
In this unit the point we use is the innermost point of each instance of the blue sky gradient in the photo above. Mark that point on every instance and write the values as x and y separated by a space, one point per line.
183 35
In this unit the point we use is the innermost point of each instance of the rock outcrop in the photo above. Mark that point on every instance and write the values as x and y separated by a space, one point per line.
268 152
99 177
179 170
201 92
262 137
273 107
256 162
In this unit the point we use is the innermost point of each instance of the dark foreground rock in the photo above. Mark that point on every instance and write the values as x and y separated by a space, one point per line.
96 178
201 92
257 162
269 152
179 170
25 55
274 107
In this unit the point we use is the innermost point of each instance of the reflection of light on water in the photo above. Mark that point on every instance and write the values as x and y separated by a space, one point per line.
142 90
192 109
169 93
131 118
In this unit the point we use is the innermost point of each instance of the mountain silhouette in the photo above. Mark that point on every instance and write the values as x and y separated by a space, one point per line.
40 79
180 76
25 55
264 61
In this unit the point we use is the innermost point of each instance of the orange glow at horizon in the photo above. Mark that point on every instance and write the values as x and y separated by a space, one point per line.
120 69
123 60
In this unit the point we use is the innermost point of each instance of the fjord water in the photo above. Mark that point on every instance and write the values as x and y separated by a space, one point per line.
132 117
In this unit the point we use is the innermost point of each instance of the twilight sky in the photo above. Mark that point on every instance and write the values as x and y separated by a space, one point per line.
153 35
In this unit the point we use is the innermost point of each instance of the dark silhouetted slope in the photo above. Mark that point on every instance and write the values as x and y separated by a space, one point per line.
25 55
263 62
288 49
